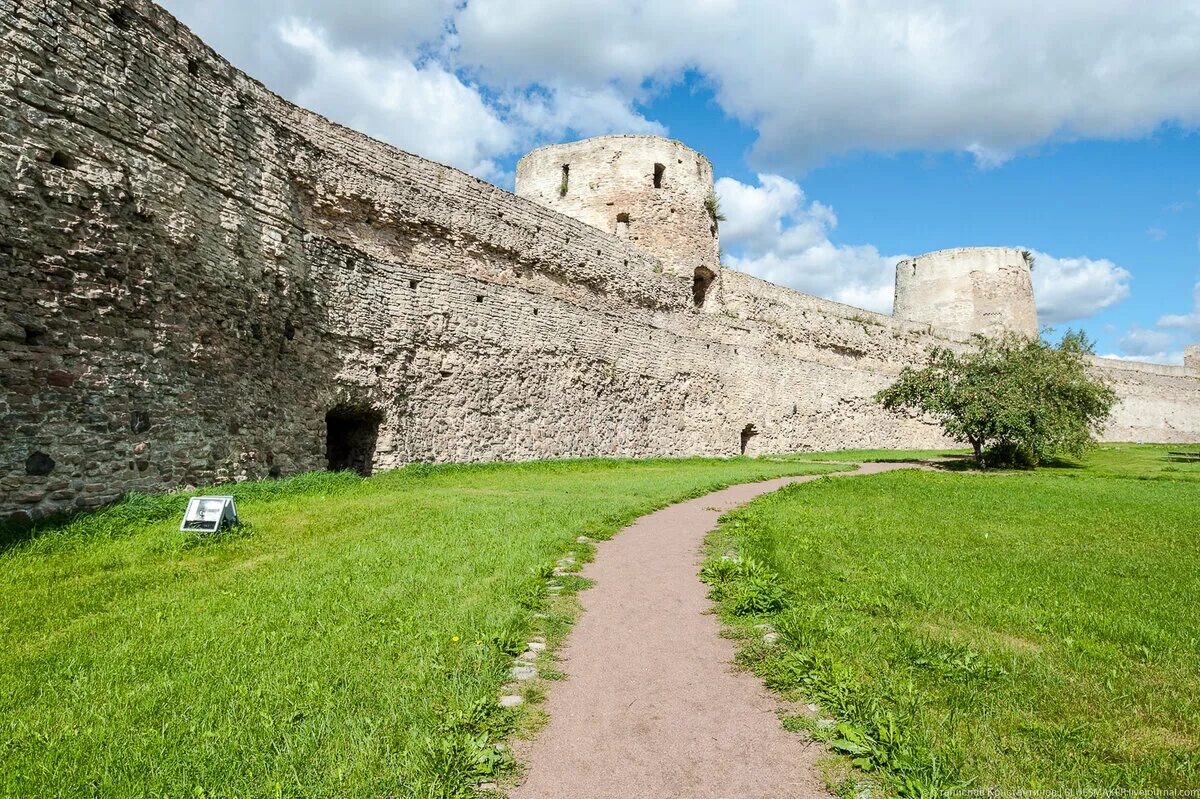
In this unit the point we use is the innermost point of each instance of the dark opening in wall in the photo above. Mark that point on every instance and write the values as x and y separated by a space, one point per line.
350 436
62 160
289 330
566 180
478 298
702 281
139 421
193 67
659 171
412 284
122 16
748 432
33 334
623 225
39 464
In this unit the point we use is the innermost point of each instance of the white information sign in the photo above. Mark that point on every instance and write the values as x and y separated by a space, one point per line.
209 514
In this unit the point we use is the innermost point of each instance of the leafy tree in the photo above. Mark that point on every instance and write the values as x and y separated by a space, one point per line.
1015 400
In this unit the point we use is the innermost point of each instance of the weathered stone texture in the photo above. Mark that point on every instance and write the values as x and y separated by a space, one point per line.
196 272
1191 357
652 192
984 290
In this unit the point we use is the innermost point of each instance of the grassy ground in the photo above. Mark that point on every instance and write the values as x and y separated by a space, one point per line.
875 455
349 641
1018 630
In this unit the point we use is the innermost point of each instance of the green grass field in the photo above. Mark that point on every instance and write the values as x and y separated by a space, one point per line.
1008 630
350 640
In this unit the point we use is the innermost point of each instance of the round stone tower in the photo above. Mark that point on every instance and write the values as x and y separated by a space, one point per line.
655 192
986 290
1191 357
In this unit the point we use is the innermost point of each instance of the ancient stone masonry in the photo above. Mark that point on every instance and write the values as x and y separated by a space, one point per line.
202 282
649 191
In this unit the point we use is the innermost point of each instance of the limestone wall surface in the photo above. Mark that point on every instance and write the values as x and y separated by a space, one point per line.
195 273
986 290
650 191
1157 403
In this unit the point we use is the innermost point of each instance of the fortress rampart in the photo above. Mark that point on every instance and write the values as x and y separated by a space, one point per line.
203 282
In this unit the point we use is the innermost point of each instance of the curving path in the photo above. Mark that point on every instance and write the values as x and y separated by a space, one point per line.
651 706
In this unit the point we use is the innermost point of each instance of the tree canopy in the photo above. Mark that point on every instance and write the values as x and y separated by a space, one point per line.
1015 400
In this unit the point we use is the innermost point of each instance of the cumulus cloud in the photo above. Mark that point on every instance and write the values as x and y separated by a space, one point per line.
1145 343
775 232
558 111
389 70
814 78
827 76
1164 342
772 231
1071 289
1185 324
425 109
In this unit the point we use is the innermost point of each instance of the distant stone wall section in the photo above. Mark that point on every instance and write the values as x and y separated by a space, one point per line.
986 290
1191 357
202 282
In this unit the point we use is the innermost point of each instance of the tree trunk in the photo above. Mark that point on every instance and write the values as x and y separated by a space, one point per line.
977 445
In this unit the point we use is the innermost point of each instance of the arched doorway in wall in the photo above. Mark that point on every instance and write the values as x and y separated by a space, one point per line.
748 432
350 437
702 280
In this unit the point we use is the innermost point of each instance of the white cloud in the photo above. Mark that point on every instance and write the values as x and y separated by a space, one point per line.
425 109
827 76
773 233
1164 342
1140 341
1185 324
560 111
814 78
389 71
1070 289
1172 358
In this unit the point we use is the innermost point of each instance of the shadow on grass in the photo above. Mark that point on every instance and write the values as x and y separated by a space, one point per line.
958 463
1062 463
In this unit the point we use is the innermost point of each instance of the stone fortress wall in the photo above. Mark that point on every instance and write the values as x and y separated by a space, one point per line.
202 282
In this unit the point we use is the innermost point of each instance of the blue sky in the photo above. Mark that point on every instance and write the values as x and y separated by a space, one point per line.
844 133
1133 201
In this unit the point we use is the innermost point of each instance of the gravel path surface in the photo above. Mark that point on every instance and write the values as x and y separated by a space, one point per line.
651 706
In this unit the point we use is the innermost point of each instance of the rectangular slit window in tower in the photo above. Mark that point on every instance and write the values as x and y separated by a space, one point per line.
659 170
566 179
